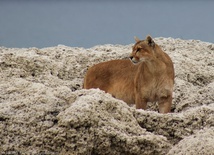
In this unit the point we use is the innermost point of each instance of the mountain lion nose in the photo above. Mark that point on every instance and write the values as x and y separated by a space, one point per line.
131 57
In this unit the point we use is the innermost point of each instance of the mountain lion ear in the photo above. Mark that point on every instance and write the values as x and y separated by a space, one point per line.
136 39
150 41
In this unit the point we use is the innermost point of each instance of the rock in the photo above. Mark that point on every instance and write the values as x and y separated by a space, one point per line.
44 110
199 143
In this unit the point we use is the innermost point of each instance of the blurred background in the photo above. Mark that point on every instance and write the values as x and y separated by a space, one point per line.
86 23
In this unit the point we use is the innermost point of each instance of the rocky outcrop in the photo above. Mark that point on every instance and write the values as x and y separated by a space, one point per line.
44 110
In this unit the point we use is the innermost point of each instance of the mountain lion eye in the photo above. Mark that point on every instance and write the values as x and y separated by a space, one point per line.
138 50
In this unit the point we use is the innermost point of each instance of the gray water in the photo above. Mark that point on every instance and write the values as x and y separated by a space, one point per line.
86 23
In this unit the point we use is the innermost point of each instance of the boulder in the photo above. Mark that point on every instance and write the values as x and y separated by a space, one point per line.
44 110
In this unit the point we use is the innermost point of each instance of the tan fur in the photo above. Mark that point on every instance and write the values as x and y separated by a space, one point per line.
148 77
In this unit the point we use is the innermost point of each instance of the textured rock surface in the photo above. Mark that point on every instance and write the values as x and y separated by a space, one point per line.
199 143
43 109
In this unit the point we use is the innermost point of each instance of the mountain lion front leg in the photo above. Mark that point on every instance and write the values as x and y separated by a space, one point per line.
165 104
140 102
